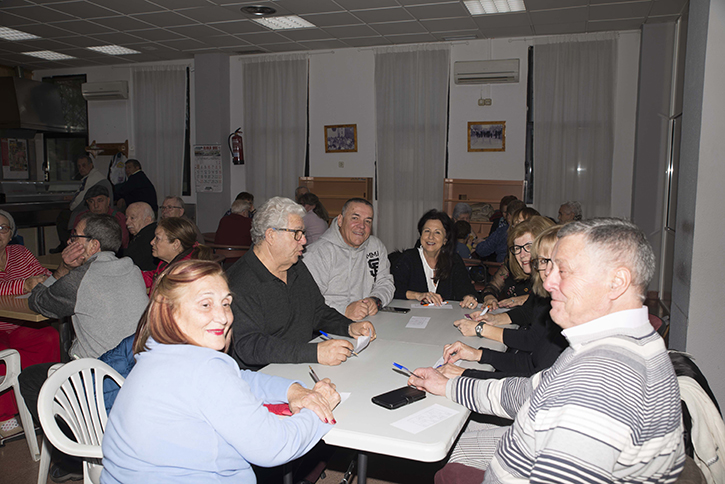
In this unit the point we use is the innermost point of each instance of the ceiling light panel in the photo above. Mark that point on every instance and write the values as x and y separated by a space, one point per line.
284 23
48 55
113 50
483 7
12 34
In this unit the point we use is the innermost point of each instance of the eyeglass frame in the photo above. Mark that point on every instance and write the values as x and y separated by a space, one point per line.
73 237
302 232
516 249
170 207
4 229
535 264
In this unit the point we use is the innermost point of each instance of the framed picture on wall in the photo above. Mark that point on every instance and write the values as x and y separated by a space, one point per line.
487 136
341 138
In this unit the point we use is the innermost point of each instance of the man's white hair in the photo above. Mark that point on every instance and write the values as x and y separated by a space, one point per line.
274 214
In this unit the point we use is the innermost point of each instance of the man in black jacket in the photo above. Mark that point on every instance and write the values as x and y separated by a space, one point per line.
137 188
141 225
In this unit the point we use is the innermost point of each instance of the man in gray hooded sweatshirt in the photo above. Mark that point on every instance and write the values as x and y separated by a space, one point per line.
350 266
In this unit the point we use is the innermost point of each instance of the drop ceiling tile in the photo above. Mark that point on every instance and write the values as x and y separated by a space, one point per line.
365 4
285 47
211 13
123 23
445 25
662 19
224 41
533 5
239 27
309 6
305 35
85 10
667 7
155 35
79 62
17 47
501 20
129 7
504 32
383 15
446 10
630 24
172 55
116 38
619 11
44 44
79 41
164 19
235 7
46 31
39 14
559 16
351 31
264 38
81 27
324 44
333 19
15 3
9 20
195 31
176 4
558 29
423 2
367 42
183 44
410 39
80 53
399 28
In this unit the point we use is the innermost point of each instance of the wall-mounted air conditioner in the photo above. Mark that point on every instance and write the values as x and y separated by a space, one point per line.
104 91
486 72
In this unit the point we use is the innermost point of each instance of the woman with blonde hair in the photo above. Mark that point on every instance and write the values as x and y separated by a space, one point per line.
511 285
187 413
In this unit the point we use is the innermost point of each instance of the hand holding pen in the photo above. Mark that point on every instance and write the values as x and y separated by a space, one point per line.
428 379
332 352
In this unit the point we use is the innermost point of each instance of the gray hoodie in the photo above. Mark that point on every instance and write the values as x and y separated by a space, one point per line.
345 274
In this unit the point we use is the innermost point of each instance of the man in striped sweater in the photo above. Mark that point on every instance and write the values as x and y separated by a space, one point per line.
608 410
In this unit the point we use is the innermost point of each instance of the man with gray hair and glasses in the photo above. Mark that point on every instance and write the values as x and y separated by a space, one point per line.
277 306
175 207
608 410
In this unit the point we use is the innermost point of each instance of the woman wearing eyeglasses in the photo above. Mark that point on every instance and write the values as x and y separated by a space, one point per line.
175 240
538 339
511 285
20 272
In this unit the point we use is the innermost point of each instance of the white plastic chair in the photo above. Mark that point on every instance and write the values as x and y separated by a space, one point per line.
10 380
69 394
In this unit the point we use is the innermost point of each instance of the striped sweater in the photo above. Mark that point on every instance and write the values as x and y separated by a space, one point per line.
21 264
608 410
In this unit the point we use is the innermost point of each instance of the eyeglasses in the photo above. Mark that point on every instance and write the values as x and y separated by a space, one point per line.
169 207
74 236
299 233
4 229
540 264
516 249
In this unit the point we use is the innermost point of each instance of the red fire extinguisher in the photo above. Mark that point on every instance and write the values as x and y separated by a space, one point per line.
236 147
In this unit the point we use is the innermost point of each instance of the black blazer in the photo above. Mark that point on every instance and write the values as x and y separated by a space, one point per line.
138 188
409 275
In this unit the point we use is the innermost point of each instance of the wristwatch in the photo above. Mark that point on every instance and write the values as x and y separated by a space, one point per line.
378 302
479 328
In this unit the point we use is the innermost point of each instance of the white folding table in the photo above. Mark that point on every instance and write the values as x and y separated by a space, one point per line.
366 427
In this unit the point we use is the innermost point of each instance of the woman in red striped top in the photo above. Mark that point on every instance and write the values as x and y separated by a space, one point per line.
20 271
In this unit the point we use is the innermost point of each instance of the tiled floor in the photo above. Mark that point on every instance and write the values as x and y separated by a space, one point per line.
17 467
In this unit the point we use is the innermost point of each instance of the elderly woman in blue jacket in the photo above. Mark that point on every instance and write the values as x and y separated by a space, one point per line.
186 413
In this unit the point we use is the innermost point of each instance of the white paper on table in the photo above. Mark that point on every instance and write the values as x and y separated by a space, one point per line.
440 362
420 306
417 322
344 396
424 419
361 343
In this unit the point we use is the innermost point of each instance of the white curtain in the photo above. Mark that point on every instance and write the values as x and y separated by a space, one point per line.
411 97
275 123
159 104
573 125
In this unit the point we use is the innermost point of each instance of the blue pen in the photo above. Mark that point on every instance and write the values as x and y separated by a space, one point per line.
401 367
327 337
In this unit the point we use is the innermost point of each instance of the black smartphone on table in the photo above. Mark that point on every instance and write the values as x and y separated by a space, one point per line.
390 309
398 398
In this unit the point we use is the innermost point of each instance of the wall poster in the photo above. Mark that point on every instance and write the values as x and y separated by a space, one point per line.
208 168
15 159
